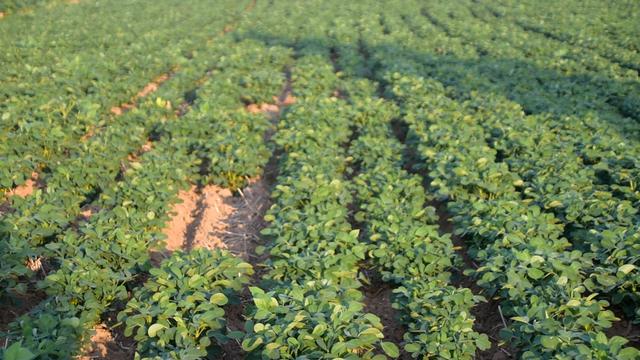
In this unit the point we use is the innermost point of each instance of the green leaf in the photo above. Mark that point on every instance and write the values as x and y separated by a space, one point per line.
554 204
256 291
338 348
72 322
535 273
482 342
562 280
319 329
412 348
17 352
628 353
390 349
573 303
549 342
521 319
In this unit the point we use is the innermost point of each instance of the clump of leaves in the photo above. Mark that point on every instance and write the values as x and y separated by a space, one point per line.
179 310
439 320
316 320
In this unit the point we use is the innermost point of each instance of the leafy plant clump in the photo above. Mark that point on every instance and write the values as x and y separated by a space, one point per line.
179 313
315 320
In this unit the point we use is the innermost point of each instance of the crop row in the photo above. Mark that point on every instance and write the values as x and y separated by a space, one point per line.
541 280
179 311
400 230
96 263
72 186
397 240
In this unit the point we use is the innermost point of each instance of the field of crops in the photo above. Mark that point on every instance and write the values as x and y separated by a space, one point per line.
319 179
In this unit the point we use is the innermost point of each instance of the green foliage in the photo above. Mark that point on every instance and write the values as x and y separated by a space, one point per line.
521 115
406 248
523 256
439 320
17 352
317 320
179 310
97 258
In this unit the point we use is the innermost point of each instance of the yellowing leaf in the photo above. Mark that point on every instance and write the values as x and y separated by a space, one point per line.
218 299
626 268
153 329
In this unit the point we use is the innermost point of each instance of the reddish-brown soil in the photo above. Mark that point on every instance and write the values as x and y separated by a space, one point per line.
234 222
109 343
263 108
287 99
150 88
182 216
89 134
213 217
146 147
23 190
87 211
27 188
